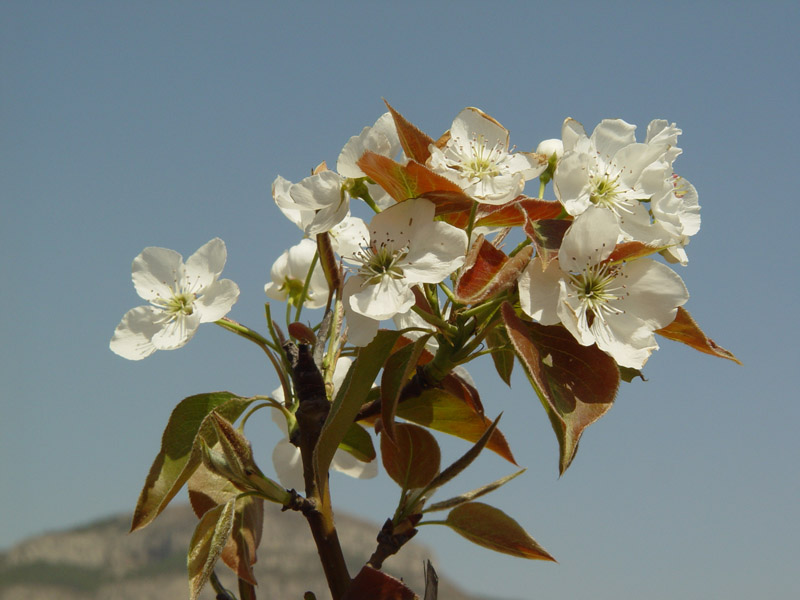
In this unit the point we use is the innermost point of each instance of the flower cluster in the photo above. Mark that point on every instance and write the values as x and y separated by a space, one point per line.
619 199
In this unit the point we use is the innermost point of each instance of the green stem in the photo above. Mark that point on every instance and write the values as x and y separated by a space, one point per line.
306 285
542 186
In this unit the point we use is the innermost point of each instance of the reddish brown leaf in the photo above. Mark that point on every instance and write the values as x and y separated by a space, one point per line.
684 329
376 585
576 384
517 212
546 235
412 460
502 356
414 142
492 528
443 411
631 250
327 259
302 332
412 180
488 271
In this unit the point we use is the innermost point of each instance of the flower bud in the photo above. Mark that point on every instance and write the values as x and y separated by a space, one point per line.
551 147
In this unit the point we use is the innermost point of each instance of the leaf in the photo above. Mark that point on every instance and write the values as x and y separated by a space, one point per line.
351 395
517 212
207 490
547 235
412 459
176 460
443 411
503 357
431 582
470 496
491 528
210 537
358 443
415 143
327 259
396 372
632 250
488 271
373 584
576 384
684 329
414 180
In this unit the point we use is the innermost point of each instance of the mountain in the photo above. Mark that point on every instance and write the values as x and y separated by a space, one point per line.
101 561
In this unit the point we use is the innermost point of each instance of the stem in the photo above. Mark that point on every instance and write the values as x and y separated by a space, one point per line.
311 414
306 284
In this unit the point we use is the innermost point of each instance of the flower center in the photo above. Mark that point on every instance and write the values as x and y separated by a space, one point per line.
379 262
597 287
479 160
181 304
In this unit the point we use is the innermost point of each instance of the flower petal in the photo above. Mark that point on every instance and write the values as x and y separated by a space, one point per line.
157 272
176 332
288 465
217 300
133 336
204 266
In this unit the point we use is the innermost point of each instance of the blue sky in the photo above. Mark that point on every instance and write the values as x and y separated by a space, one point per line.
125 125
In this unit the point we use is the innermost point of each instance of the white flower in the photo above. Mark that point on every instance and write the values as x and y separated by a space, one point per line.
181 297
616 306
348 236
551 147
319 202
406 247
286 456
477 158
676 210
289 274
610 170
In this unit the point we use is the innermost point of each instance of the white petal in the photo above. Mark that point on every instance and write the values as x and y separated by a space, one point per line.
571 132
157 272
589 240
217 300
133 336
382 300
381 138
177 332
571 182
288 465
346 463
435 251
394 226
539 291
625 339
656 292
611 135
204 266
472 123
318 191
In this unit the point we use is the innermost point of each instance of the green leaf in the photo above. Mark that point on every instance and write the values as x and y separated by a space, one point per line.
440 410
576 384
177 460
206 491
398 369
492 528
210 537
503 357
351 395
412 459
472 495
358 442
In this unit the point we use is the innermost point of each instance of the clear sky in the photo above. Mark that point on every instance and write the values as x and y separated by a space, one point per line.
125 125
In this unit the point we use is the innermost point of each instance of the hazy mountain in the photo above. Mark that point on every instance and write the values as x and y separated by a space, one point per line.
101 561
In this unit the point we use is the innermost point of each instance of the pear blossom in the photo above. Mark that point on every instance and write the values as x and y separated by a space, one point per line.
676 210
286 456
407 247
319 202
551 147
611 170
477 157
616 306
289 273
181 295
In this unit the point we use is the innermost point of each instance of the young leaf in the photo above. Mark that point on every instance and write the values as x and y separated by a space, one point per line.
546 235
210 537
176 460
472 495
517 212
350 397
358 442
373 584
415 143
576 384
207 490
684 329
491 528
412 459
488 271
440 410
